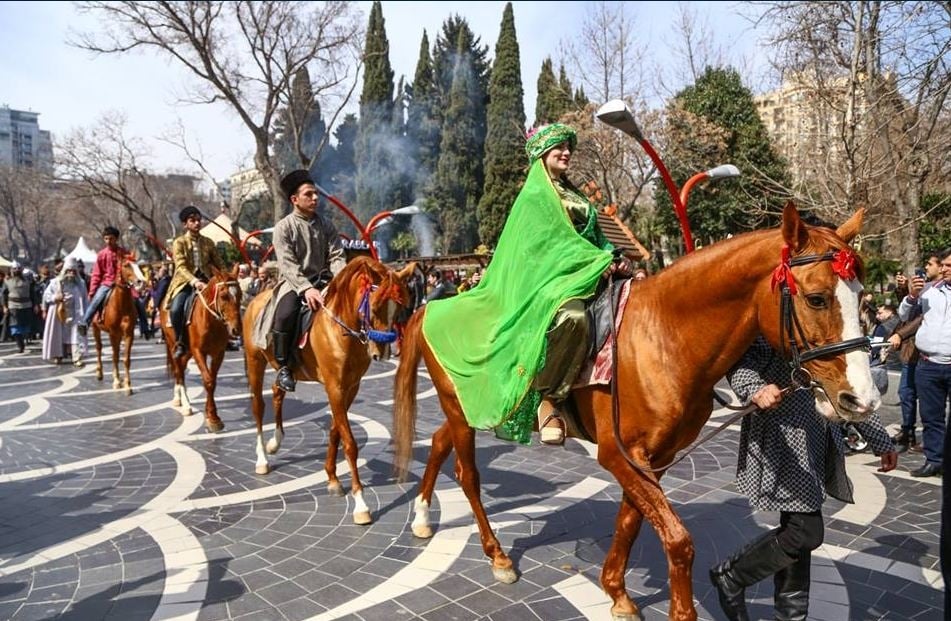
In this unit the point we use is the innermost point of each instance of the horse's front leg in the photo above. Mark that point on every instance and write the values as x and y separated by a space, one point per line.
127 340
209 377
255 365
116 378
340 401
463 440
649 500
439 451
97 338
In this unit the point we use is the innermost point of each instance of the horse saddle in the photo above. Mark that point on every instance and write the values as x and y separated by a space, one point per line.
600 312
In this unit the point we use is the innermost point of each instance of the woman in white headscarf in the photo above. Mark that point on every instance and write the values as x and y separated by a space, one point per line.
65 302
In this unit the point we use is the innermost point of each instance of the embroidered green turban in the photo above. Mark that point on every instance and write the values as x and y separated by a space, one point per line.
547 137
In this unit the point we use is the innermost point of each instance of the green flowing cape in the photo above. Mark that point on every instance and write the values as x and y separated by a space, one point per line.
491 340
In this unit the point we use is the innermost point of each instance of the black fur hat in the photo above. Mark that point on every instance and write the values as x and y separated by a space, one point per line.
293 180
188 212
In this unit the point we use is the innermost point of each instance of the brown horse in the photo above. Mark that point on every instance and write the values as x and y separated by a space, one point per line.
680 333
361 302
118 317
216 318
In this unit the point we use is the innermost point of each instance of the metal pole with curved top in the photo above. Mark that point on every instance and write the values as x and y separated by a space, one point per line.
364 232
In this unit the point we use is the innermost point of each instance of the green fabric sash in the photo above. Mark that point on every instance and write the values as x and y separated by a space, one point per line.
491 340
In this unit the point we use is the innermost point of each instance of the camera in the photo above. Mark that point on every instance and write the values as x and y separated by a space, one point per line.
920 273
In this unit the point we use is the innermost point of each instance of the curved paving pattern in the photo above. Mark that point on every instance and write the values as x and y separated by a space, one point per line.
116 507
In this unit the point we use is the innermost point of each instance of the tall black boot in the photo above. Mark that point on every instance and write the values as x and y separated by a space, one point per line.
760 558
792 589
282 348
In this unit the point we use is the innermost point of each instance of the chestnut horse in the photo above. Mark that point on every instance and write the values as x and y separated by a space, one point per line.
215 319
680 333
118 317
360 306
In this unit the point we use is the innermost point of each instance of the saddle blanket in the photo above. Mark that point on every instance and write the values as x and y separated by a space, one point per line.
598 369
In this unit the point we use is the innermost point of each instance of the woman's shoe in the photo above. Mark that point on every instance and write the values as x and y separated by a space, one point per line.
551 426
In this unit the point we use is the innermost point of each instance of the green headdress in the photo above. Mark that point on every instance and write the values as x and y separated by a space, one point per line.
546 137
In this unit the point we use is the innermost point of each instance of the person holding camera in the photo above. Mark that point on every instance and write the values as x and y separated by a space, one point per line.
931 300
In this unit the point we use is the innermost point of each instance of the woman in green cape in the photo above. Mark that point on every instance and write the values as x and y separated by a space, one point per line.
514 344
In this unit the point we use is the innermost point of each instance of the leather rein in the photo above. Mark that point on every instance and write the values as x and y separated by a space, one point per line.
365 332
798 350
216 311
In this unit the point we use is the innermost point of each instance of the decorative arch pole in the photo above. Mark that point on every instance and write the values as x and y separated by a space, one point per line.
364 231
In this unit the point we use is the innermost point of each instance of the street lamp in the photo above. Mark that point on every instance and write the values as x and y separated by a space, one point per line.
723 171
384 217
616 114
364 232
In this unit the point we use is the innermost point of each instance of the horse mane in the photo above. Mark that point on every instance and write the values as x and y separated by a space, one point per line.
352 268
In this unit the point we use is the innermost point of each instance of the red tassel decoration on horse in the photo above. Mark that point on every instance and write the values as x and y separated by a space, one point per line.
783 273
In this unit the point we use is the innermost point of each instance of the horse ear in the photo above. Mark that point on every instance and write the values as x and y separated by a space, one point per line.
851 227
794 229
406 272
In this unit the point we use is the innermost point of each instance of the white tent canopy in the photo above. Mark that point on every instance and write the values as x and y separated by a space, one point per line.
4 262
213 231
83 253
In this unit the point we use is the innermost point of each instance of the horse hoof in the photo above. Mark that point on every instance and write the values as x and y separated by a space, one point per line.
128 391
335 489
214 426
177 403
262 469
271 447
187 411
99 376
423 532
362 518
505 575
116 385
626 616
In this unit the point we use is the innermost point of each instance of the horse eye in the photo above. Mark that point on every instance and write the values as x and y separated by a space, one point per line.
816 300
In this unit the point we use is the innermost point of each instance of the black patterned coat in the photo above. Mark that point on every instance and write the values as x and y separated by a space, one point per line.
790 457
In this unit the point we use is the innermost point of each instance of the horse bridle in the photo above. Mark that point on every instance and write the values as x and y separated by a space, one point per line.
365 333
789 325
800 379
216 311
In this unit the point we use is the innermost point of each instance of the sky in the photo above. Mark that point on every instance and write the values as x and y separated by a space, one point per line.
72 88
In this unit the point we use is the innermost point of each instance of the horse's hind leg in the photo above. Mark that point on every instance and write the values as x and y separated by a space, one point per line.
463 440
648 499
439 451
626 528
334 487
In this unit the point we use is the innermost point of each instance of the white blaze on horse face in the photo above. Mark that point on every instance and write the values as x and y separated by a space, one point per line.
857 369
138 273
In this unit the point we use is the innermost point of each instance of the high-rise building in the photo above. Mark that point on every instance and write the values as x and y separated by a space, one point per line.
22 142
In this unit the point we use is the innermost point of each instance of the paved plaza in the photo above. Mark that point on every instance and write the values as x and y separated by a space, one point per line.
117 507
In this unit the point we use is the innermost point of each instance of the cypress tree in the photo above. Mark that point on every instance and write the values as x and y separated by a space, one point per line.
299 129
341 171
546 103
423 124
456 187
375 178
505 139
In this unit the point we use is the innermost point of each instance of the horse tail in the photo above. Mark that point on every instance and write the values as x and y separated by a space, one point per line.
404 398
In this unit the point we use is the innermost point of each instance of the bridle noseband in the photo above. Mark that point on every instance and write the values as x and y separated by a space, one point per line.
216 311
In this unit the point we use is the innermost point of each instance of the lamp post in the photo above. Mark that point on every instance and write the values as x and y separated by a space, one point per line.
616 114
384 216
244 243
723 171
364 231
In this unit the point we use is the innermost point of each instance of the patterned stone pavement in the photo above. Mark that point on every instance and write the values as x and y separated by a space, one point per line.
117 507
